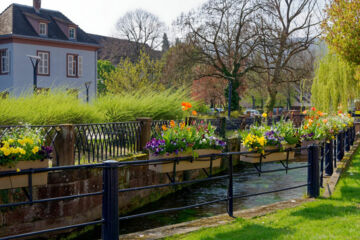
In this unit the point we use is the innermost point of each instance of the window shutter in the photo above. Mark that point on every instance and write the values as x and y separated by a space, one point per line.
70 65
80 66
6 61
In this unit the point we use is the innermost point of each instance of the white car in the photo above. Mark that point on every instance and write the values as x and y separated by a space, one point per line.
252 112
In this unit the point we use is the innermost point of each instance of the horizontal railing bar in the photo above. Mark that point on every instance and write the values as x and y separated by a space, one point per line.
268 171
171 209
268 192
174 184
53 230
52 169
52 199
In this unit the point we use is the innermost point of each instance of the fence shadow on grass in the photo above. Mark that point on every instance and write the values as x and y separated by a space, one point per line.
325 211
248 231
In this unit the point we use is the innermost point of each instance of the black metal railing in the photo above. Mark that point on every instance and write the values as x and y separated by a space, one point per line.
97 142
110 192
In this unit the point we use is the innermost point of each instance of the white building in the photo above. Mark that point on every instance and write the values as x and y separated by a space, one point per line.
68 54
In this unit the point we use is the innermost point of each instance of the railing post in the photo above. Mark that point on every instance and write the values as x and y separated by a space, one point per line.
230 189
338 147
329 167
64 144
347 140
145 134
110 201
222 126
313 172
352 136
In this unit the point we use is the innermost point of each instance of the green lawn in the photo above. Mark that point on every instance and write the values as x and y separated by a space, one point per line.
335 218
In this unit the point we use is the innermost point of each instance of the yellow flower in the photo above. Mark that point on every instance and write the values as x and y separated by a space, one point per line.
35 150
22 151
11 141
18 170
22 142
264 115
6 151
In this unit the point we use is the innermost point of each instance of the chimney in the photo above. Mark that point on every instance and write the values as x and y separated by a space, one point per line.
37 5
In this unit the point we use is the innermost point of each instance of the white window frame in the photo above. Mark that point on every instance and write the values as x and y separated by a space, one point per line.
4 61
44 64
72 30
45 29
71 68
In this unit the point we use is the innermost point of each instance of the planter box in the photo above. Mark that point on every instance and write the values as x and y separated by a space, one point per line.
184 165
270 157
16 181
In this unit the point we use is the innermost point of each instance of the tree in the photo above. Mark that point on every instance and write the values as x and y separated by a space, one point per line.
103 68
141 27
342 29
288 28
165 43
128 77
334 85
223 32
179 70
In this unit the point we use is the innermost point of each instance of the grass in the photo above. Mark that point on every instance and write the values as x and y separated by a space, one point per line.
60 108
335 218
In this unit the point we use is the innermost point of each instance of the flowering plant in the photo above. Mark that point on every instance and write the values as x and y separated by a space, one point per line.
23 144
279 135
181 138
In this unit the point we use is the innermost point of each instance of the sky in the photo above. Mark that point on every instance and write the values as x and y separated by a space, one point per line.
100 16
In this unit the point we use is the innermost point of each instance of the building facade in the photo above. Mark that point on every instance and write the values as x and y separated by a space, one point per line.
67 55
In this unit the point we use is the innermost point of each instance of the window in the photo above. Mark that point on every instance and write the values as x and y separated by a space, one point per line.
4 61
43 29
72 34
74 65
44 64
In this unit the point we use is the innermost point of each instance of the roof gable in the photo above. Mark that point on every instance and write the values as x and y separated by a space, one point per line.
14 21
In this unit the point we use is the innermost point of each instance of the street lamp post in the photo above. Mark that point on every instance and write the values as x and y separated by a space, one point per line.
35 62
87 86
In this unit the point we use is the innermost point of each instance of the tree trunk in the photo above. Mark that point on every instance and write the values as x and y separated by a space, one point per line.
271 100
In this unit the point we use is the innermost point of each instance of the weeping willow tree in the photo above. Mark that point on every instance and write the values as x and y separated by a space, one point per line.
334 86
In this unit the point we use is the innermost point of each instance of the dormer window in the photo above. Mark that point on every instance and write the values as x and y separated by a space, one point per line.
72 33
43 29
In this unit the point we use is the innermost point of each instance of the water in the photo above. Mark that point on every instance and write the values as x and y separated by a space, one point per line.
204 192
209 191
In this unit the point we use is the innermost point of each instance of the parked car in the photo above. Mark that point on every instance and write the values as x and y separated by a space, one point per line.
252 112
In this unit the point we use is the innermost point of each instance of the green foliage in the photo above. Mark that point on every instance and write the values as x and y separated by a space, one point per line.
334 85
342 29
128 76
143 103
104 68
42 109
61 108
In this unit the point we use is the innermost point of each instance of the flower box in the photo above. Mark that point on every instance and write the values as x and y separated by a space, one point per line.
306 144
191 164
269 157
17 181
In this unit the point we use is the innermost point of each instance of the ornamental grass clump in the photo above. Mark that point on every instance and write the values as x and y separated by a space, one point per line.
23 144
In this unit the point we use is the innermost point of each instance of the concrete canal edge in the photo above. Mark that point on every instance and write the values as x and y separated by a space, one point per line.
187 227
214 221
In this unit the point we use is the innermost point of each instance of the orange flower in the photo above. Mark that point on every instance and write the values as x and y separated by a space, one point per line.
313 109
188 129
182 125
306 127
340 112
186 106
325 121
305 112
320 113
164 127
172 123
194 113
